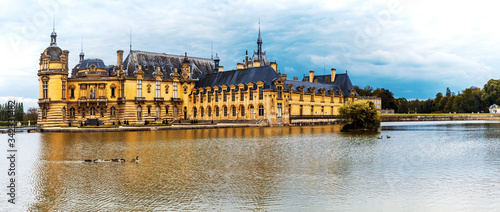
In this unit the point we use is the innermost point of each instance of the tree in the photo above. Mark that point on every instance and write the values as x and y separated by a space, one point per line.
448 92
32 114
491 93
359 116
387 97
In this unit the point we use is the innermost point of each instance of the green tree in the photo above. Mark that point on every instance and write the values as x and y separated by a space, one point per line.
491 93
387 97
359 115
32 114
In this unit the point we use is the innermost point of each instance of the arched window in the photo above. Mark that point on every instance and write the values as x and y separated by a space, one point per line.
72 112
92 111
112 111
242 110
216 111
44 113
225 111
139 112
233 108
102 112
83 112
202 112
209 111
194 112
261 110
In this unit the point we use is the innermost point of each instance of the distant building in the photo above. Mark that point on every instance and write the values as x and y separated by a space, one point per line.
376 100
494 108
157 87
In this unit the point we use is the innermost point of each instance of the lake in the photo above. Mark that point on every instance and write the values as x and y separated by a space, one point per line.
423 166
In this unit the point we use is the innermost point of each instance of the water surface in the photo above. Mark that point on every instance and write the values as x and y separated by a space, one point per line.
423 166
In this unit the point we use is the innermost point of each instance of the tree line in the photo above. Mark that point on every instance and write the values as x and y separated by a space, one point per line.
470 100
19 113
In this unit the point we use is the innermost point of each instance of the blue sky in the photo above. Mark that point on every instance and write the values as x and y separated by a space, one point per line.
413 48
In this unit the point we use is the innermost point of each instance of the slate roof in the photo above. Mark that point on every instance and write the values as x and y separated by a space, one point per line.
265 74
167 63
342 81
87 63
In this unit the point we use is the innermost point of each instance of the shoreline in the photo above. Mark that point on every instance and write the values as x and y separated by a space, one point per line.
438 117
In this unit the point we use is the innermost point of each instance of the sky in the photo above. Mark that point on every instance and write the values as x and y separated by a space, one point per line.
413 48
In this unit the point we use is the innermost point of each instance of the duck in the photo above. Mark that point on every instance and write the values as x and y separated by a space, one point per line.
122 160
87 160
380 137
114 160
387 136
135 160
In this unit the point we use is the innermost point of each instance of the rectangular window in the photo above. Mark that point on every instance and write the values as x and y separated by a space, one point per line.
174 93
224 96
312 97
45 89
201 97
194 98
233 95
242 95
112 92
209 99
261 93
158 89
280 92
279 110
72 93
139 88
216 96
302 96
250 94
122 89
64 89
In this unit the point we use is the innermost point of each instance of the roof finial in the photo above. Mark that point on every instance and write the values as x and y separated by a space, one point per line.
82 55
130 40
54 34
212 55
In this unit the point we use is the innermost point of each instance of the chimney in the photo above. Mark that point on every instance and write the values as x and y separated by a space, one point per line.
256 63
334 72
311 76
295 79
240 66
119 58
221 68
283 76
275 66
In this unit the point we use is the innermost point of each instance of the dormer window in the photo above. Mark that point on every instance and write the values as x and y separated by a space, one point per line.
92 68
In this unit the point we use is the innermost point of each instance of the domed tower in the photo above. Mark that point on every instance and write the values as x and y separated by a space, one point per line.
52 78
186 68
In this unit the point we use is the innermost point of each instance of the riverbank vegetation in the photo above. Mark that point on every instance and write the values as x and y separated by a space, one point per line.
470 100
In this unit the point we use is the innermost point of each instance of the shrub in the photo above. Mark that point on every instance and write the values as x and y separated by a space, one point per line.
359 116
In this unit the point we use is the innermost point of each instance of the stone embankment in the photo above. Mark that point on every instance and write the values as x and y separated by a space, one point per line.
451 117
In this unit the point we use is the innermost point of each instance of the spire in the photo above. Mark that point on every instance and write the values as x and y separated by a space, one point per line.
54 34
130 40
212 55
259 45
